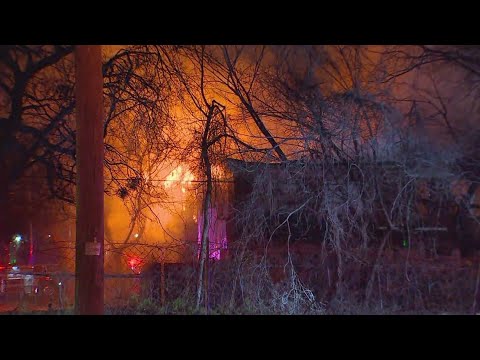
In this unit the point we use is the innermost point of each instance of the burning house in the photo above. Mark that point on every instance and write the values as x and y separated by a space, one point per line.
362 204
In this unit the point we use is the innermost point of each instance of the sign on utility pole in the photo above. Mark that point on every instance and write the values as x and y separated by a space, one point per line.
89 197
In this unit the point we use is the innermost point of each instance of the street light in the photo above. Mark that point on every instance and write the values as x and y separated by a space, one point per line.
17 238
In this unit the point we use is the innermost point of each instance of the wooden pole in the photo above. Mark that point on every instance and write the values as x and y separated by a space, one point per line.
89 271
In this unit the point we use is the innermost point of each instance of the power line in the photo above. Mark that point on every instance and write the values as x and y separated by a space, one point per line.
151 180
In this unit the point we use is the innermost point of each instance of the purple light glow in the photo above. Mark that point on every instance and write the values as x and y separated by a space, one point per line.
217 234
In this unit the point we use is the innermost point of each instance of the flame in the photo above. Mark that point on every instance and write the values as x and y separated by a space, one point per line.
167 227
180 175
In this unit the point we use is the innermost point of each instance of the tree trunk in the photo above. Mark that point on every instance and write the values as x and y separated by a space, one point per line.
206 211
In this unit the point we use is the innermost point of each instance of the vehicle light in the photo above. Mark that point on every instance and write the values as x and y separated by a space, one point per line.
60 283
133 262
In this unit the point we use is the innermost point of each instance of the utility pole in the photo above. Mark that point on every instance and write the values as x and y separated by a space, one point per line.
89 270
30 221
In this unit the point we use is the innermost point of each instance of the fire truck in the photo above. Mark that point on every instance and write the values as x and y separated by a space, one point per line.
19 276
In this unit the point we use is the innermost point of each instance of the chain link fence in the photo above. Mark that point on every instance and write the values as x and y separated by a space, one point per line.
308 283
